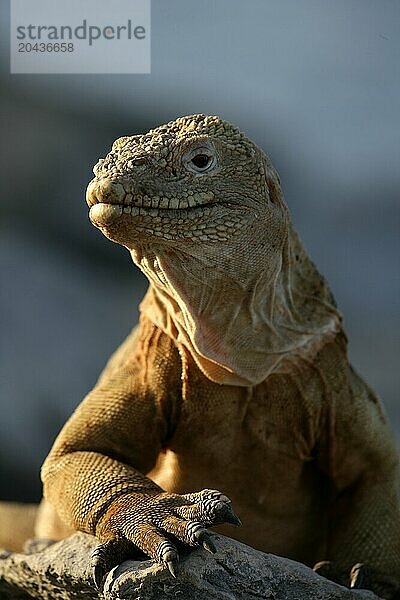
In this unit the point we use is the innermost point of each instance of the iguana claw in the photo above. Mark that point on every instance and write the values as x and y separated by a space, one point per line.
99 565
98 574
359 576
171 564
207 543
226 515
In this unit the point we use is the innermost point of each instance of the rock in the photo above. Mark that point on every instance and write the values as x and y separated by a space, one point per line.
235 572
61 571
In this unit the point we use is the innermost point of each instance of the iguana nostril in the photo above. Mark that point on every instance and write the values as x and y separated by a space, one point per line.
106 190
110 192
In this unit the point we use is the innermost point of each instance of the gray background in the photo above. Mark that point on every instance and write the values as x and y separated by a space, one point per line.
314 82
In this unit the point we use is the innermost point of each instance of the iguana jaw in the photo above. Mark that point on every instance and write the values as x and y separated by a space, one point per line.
130 220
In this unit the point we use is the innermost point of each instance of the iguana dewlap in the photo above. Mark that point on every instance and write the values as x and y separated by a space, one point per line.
236 379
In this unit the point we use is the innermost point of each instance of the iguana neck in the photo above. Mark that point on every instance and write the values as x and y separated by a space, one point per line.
240 323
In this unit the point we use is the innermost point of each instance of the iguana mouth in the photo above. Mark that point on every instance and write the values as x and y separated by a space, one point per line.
108 212
114 194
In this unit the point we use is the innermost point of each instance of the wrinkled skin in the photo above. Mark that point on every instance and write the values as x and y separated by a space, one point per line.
237 377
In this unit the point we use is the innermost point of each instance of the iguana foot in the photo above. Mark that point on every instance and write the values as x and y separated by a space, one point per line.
155 524
359 577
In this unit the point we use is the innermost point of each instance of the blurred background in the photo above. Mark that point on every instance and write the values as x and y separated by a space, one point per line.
314 82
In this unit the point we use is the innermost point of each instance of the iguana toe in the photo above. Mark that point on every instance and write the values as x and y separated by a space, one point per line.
114 552
207 543
99 564
98 574
224 514
190 533
364 577
209 507
107 556
152 541
356 579
360 577
170 559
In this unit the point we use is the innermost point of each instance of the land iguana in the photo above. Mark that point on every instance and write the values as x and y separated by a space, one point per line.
235 389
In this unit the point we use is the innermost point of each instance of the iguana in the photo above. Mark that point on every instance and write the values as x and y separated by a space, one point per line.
235 383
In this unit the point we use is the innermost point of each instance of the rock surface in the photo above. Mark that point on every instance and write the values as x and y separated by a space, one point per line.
235 572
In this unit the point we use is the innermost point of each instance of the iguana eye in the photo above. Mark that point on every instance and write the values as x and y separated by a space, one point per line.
200 160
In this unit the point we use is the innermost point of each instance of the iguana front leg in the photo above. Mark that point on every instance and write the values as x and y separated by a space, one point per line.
94 478
364 539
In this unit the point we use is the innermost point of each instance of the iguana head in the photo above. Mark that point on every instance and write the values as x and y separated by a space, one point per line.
196 180
201 210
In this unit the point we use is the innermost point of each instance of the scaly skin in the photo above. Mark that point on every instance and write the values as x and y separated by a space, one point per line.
237 377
